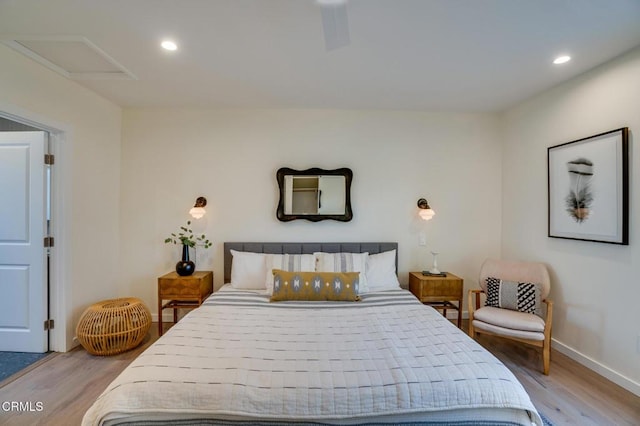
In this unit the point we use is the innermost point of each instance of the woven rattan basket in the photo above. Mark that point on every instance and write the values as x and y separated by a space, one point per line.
113 326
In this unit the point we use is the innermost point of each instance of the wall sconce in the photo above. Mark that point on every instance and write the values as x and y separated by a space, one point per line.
425 212
197 211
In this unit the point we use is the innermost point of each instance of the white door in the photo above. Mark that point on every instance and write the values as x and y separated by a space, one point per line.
23 278
332 197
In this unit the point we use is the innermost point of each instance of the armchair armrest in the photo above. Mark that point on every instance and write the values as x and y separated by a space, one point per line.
477 293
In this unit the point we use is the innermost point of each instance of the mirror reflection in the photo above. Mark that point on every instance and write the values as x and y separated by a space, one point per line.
314 194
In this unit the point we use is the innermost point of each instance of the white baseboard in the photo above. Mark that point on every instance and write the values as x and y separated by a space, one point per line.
603 370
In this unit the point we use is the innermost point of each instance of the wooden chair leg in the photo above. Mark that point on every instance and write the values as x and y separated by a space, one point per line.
546 355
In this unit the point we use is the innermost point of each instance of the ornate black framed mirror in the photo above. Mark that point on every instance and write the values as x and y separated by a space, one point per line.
314 194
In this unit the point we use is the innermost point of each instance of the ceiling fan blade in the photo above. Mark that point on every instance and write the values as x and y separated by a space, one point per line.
335 24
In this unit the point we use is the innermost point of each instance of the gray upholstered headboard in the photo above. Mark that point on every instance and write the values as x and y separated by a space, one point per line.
303 248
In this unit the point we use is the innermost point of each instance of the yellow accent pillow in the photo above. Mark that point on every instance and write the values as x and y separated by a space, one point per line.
337 286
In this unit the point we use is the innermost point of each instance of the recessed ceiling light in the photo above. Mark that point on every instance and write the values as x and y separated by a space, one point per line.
169 45
562 59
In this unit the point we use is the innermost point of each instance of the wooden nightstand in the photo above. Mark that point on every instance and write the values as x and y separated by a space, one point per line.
182 292
438 292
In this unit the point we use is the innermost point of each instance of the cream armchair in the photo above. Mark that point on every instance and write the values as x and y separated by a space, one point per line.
520 326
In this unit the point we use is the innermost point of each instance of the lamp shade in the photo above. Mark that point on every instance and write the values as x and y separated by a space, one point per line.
424 210
427 214
197 211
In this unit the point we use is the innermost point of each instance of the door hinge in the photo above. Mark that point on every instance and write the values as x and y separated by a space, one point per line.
48 242
48 324
49 159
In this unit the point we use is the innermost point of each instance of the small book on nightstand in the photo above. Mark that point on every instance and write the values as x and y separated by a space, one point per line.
431 274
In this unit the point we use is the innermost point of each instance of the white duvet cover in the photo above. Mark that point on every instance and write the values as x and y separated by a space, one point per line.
386 359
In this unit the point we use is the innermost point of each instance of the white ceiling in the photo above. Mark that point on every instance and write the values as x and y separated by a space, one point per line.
451 55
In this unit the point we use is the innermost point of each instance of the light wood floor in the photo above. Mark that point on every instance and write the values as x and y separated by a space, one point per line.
68 383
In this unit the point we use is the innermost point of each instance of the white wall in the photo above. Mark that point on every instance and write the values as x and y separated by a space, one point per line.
170 157
596 287
90 190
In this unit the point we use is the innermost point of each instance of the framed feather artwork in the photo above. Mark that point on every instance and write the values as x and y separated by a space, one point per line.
588 188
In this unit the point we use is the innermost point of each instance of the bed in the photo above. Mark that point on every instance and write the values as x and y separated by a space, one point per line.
241 359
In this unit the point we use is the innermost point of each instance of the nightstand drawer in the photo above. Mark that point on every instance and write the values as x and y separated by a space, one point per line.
173 286
440 289
428 288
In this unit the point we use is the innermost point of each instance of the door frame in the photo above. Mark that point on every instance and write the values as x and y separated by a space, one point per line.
60 289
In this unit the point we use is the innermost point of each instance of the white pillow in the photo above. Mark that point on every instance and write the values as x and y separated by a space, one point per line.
381 271
344 262
288 262
248 270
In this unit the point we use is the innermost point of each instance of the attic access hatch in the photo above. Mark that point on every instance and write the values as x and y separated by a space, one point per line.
74 57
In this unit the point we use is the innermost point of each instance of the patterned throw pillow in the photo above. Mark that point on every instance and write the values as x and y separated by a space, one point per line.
522 297
315 286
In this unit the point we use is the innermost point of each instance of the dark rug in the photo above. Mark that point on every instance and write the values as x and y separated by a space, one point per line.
12 362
